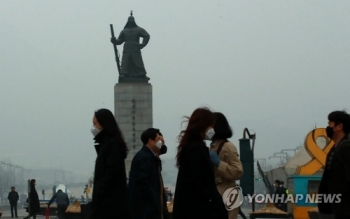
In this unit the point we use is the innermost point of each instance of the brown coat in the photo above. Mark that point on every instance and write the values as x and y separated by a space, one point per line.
229 170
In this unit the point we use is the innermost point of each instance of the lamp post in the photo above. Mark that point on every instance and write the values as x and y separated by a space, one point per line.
247 160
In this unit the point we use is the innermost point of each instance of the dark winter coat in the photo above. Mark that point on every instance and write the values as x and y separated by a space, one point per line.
13 197
196 195
336 179
34 203
109 195
146 195
280 197
61 199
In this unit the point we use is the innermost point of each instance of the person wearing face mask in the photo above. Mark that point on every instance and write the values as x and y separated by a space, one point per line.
109 192
336 175
146 192
164 148
196 195
224 155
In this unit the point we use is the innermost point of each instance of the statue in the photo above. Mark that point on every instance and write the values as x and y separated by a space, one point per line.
132 68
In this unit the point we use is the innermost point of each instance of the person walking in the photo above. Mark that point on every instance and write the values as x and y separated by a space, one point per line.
196 195
279 195
224 155
336 175
284 190
146 194
33 200
109 193
13 198
62 202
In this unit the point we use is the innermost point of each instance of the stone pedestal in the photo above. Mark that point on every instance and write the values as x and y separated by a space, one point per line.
133 112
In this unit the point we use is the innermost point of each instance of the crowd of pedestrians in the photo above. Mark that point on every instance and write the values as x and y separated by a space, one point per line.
204 172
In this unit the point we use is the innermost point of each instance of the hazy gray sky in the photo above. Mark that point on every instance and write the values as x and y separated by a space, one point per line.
276 67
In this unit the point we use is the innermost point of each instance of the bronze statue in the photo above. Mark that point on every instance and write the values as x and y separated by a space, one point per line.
132 68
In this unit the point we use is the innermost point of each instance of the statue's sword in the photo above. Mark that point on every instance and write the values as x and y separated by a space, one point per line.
115 50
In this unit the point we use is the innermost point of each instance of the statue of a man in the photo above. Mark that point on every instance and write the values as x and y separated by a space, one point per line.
132 63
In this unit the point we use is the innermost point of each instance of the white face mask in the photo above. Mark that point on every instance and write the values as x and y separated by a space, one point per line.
94 130
159 144
210 133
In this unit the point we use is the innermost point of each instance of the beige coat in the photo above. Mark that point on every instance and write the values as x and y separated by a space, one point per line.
229 170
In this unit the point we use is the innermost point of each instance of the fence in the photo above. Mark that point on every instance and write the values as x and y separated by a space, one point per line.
10 175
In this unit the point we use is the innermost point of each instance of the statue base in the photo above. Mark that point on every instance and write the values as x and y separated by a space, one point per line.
133 112
133 80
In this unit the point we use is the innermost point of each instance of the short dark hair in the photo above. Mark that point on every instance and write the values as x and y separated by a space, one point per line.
222 128
278 182
340 117
150 133
12 187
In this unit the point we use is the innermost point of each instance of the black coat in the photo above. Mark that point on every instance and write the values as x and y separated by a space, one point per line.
13 197
109 193
196 195
280 197
34 203
145 189
336 179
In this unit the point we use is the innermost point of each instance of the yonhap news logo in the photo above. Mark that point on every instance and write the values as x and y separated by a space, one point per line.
233 198
294 198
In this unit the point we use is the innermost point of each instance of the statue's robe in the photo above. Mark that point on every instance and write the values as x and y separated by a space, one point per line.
132 63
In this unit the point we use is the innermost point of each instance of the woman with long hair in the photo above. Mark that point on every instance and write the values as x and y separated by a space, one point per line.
33 200
196 195
109 195
224 156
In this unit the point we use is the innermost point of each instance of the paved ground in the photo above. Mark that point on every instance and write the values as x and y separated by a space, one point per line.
22 213
248 209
